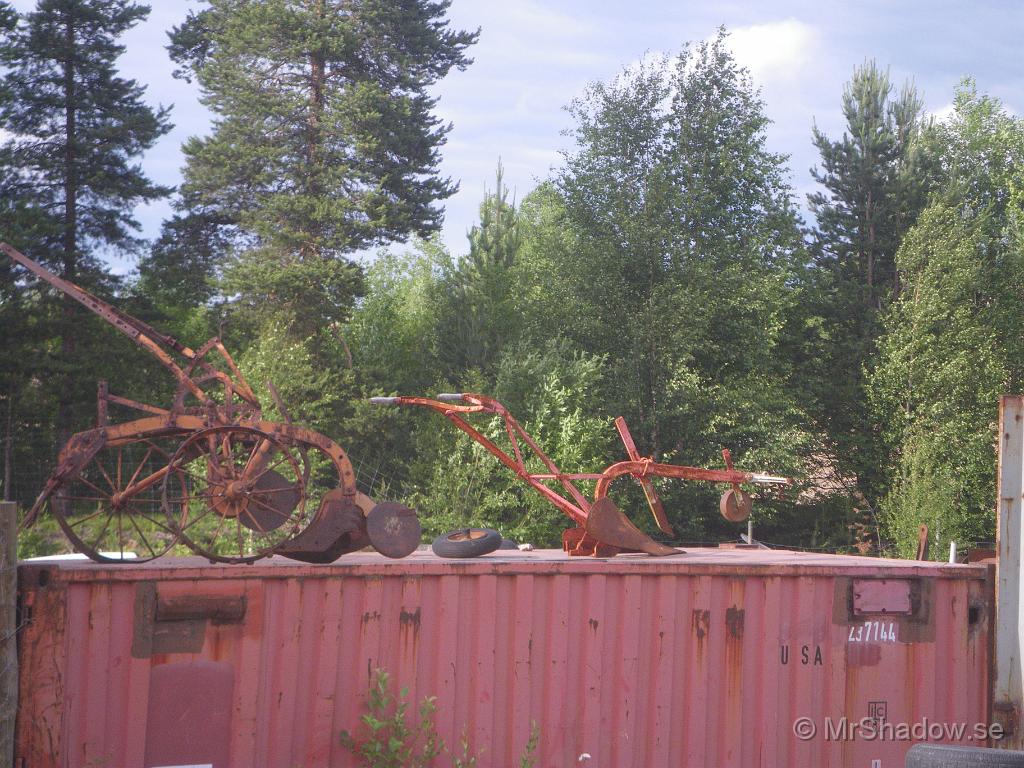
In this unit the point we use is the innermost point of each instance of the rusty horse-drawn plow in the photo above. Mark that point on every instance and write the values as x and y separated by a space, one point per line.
601 530
209 472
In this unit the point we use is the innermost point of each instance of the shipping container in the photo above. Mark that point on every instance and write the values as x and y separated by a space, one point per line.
718 657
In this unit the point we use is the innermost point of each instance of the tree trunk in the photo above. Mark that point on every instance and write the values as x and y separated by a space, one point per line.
8 629
317 86
9 447
65 405
868 220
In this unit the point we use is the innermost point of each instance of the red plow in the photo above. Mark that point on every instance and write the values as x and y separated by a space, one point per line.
601 530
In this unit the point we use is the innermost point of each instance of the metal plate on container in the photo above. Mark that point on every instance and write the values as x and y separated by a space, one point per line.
889 596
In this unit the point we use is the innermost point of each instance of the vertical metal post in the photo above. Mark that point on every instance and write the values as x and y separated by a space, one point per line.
8 629
1008 686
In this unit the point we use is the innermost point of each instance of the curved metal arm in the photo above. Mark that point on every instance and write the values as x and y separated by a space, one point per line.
474 403
136 330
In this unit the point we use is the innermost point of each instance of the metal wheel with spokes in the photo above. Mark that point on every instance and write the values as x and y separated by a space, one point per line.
111 509
244 494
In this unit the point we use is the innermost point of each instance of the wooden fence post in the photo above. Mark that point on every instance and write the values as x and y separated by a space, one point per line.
1008 686
8 629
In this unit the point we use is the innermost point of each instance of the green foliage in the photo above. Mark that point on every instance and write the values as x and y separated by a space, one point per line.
325 142
394 330
180 269
457 483
681 263
875 179
529 751
76 126
43 538
325 139
68 183
389 740
314 393
935 488
467 757
480 316
874 185
952 341
660 274
306 294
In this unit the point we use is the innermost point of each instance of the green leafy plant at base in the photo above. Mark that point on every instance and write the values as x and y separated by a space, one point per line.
389 741
466 758
530 750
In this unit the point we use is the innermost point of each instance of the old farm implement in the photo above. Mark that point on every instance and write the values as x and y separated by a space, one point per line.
207 472
601 529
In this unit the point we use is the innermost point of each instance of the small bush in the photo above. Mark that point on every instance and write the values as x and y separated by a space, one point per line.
388 741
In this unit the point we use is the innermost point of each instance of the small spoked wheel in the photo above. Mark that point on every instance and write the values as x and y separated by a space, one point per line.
466 542
111 509
244 494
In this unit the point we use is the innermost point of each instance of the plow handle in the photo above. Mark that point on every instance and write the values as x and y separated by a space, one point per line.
131 327
653 501
450 397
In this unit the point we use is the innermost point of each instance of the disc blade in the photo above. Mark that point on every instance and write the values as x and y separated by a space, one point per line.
393 529
277 499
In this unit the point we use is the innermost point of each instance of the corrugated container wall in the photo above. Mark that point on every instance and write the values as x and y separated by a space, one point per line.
706 659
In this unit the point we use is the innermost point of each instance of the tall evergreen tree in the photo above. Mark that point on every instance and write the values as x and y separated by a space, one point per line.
76 129
874 186
874 180
324 140
480 318
496 239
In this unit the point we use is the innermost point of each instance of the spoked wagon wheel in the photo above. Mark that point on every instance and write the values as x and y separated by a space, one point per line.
111 510
244 494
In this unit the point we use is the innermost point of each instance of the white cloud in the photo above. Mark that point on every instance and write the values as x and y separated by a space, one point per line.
540 19
777 50
942 114
774 52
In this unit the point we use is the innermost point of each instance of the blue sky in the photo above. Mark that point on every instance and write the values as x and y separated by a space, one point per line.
534 57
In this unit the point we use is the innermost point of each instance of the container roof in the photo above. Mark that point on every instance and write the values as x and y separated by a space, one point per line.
694 561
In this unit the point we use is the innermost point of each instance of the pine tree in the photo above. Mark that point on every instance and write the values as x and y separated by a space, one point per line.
496 239
479 318
875 187
76 129
874 180
324 140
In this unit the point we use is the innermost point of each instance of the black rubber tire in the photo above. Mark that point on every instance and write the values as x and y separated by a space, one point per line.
466 542
508 544
946 756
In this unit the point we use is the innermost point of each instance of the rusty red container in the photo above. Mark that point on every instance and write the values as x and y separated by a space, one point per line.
714 658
